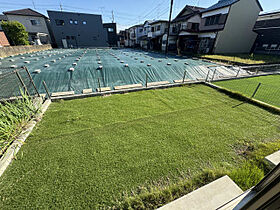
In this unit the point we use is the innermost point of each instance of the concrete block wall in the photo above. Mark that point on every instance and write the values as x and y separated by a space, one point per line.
15 50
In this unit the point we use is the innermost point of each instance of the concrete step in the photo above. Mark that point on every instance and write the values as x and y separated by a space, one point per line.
273 159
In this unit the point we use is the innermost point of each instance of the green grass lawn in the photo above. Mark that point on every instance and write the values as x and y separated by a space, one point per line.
268 92
86 152
245 58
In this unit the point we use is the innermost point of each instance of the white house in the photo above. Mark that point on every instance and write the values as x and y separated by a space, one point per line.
157 29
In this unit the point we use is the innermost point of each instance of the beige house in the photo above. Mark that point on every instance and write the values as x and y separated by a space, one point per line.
227 27
37 25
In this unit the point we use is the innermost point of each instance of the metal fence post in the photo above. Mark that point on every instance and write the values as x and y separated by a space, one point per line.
184 76
32 82
46 88
146 83
22 83
207 75
256 90
238 71
99 85
213 75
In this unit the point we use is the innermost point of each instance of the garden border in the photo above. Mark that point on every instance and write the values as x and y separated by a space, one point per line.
11 152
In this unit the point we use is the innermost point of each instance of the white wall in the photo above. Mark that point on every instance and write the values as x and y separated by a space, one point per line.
224 10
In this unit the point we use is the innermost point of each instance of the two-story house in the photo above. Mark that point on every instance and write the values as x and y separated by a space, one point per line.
268 29
132 36
227 26
78 30
157 29
144 39
36 24
185 28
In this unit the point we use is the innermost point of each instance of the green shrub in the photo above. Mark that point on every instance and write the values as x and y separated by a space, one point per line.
16 32
247 176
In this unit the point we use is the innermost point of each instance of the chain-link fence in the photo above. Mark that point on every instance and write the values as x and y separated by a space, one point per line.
12 81
268 93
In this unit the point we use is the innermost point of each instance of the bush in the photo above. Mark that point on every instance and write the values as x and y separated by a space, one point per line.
16 32
247 176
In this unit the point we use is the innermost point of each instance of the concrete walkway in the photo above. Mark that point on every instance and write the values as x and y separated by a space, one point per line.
210 196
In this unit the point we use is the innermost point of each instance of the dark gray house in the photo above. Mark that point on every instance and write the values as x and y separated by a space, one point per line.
268 30
77 30
111 29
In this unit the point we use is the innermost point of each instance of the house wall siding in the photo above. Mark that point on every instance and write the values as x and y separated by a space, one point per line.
26 21
91 34
238 35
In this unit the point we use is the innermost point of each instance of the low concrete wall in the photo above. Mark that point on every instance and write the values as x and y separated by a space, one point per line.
15 50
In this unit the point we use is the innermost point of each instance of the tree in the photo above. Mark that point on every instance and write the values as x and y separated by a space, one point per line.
16 32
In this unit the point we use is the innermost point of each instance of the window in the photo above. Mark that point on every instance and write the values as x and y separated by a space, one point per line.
153 29
71 21
72 37
265 45
84 22
212 20
158 28
67 37
75 22
110 30
195 26
35 22
141 30
59 22
273 46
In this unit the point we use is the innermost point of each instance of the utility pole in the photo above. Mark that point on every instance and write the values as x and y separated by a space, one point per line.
168 29
113 17
60 5
33 4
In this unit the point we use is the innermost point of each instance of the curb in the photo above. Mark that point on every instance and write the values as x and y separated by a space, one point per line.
8 157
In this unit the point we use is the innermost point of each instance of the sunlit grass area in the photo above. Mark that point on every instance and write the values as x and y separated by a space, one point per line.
86 152
245 58
269 89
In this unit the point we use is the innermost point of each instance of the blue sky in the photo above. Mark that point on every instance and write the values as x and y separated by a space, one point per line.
126 12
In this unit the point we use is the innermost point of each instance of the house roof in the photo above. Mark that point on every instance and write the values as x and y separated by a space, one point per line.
225 3
194 10
159 21
25 12
220 4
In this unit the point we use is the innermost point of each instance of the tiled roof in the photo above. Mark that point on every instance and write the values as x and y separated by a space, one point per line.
25 12
225 3
220 4
195 10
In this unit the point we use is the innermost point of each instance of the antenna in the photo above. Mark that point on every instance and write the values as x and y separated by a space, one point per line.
113 17
60 5
33 4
